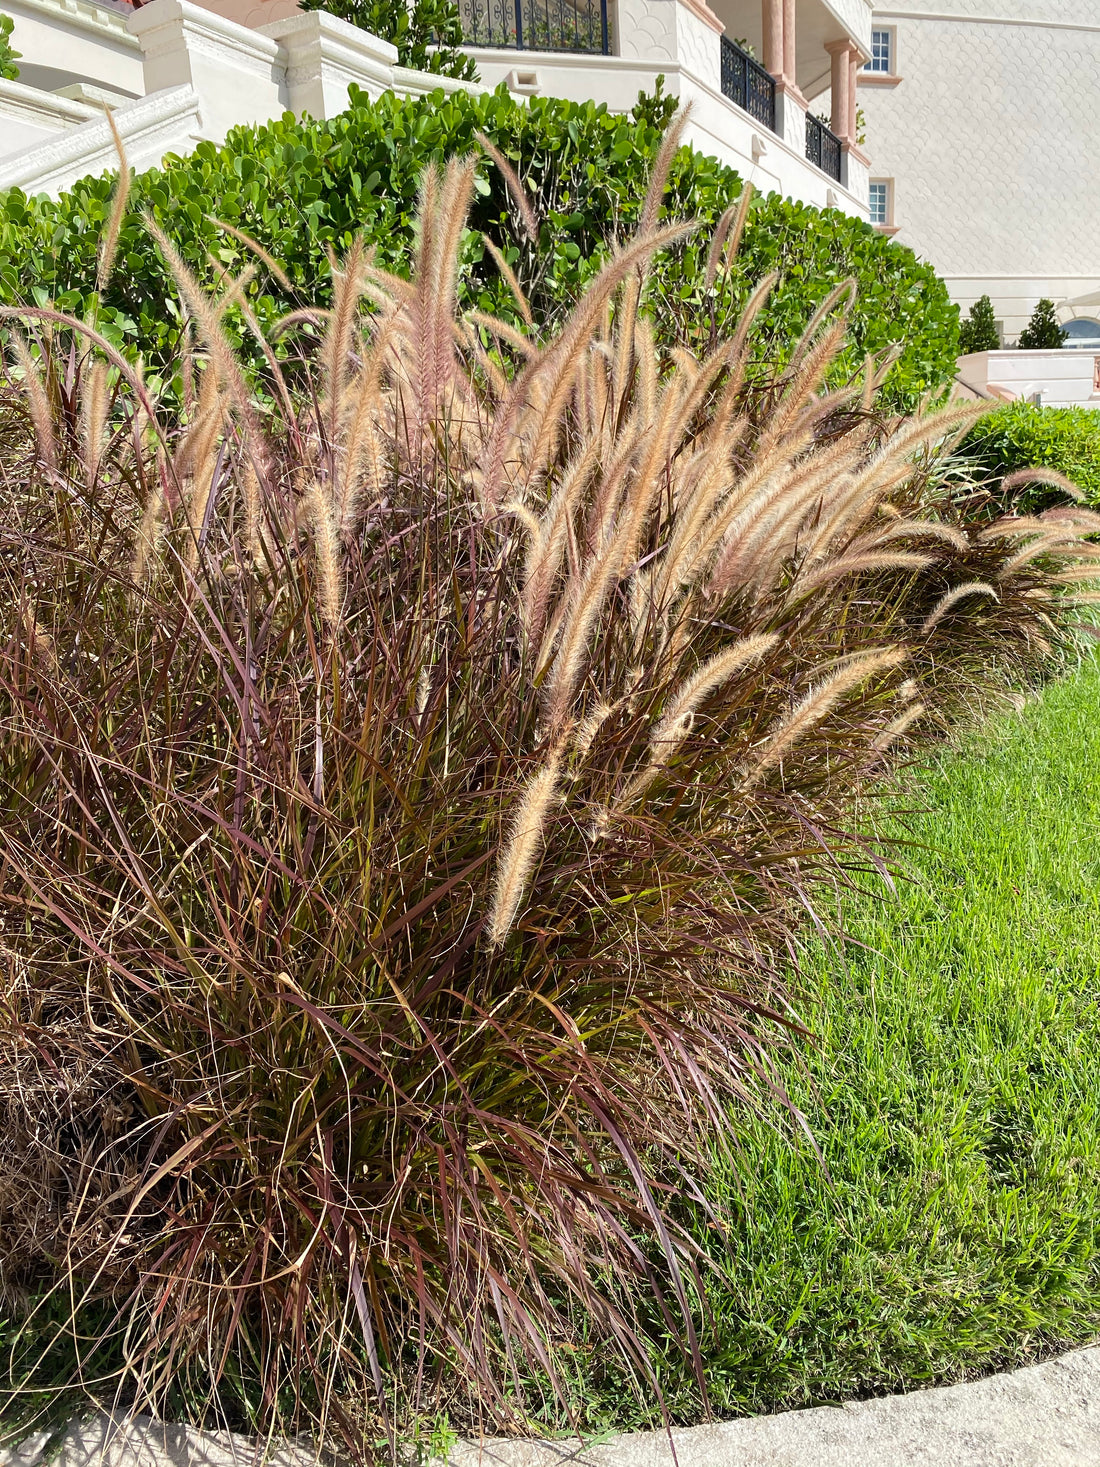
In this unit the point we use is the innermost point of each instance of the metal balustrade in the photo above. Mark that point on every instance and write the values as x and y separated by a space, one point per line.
537 25
745 82
822 146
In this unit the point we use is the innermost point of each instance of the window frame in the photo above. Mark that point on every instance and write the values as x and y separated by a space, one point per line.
869 67
887 187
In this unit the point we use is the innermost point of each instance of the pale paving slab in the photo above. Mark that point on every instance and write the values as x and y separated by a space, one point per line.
1042 1416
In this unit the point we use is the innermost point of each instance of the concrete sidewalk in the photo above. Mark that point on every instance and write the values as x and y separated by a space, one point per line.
1042 1416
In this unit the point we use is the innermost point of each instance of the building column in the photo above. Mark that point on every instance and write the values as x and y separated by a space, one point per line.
842 115
853 68
772 14
847 58
790 62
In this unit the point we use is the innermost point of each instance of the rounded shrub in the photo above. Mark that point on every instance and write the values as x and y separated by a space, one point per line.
1043 331
302 188
1021 435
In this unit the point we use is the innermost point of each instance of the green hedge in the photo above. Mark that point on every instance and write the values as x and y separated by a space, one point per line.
1022 436
299 187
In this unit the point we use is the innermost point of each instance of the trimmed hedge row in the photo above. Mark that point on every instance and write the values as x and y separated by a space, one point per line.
1021 435
302 187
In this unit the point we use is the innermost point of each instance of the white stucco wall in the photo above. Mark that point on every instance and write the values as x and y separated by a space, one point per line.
1051 378
28 116
992 138
66 41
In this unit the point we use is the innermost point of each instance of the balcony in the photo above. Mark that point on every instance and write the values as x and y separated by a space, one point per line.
569 26
749 113
822 146
745 82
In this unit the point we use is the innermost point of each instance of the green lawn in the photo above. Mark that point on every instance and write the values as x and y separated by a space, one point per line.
955 1096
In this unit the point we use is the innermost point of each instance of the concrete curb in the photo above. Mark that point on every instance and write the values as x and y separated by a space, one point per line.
1041 1416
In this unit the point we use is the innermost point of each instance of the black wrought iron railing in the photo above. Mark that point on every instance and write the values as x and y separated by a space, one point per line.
745 82
537 25
822 146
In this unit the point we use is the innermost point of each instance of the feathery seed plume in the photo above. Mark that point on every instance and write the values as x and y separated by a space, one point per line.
819 701
953 597
521 850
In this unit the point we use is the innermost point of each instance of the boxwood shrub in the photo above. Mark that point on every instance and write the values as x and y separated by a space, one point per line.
300 187
1021 435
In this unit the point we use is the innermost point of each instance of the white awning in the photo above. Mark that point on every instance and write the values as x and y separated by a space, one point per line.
1080 302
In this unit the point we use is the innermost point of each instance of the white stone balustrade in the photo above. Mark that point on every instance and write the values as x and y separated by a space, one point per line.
323 56
238 74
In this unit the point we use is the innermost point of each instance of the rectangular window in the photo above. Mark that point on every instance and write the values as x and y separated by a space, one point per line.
881 59
880 202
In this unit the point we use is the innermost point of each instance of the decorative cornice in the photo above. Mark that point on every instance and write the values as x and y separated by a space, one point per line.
97 20
336 37
158 121
209 33
1045 25
423 83
790 89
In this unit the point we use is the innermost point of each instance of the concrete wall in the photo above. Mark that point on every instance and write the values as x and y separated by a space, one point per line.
991 137
67 41
1053 378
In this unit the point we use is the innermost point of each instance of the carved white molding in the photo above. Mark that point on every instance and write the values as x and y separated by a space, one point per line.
167 26
150 127
409 83
47 110
323 56
81 15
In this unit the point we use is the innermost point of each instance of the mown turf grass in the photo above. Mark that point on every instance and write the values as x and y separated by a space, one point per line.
955 1094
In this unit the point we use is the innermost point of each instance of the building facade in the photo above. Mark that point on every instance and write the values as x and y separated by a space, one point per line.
174 73
985 134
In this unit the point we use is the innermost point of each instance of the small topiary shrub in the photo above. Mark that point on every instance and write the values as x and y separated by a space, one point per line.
979 331
303 188
9 71
1023 436
1043 332
427 33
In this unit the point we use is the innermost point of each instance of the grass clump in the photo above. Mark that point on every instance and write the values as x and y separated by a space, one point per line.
413 775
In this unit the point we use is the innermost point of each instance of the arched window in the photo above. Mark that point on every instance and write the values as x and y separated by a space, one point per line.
1083 332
